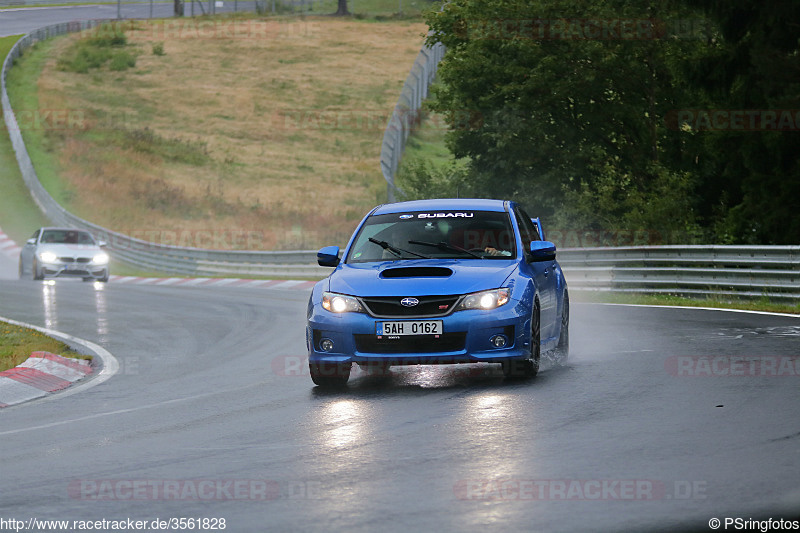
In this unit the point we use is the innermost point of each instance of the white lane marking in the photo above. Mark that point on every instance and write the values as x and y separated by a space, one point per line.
699 308
110 363
125 411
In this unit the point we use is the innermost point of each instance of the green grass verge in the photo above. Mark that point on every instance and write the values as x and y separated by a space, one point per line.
760 304
19 215
22 78
18 343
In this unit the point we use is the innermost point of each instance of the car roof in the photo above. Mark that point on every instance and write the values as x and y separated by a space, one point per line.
57 228
443 204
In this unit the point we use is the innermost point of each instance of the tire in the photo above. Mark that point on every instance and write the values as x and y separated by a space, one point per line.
562 348
329 375
527 368
35 274
21 270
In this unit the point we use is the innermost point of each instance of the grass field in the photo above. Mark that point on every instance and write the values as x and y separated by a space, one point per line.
276 131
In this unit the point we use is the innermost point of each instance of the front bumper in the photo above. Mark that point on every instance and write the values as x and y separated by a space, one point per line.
77 270
466 338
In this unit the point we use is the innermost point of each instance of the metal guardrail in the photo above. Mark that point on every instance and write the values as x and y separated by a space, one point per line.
406 114
744 271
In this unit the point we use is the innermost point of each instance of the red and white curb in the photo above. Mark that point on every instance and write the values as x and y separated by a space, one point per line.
40 375
216 282
44 374
8 247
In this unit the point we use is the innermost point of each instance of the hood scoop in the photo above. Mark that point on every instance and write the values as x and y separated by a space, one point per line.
417 272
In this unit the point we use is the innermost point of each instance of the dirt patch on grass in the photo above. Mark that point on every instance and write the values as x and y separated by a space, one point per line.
258 125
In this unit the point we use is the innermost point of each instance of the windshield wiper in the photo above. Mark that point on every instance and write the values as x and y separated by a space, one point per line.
446 246
394 249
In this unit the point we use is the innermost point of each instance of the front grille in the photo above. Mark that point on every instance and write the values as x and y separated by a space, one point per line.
84 259
448 342
75 260
66 259
429 306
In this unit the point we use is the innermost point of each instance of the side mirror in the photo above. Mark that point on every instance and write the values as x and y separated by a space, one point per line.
102 244
542 251
328 256
30 241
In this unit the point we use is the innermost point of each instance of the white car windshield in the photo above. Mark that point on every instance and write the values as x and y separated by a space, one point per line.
59 236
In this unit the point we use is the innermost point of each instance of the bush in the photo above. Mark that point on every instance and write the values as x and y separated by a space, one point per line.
94 52
158 49
122 61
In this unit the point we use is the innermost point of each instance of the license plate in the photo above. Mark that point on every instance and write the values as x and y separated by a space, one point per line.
74 266
409 327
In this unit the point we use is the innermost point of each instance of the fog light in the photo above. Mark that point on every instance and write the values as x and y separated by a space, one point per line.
326 345
498 341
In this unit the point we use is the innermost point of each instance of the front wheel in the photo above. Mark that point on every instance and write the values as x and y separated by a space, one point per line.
35 273
527 368
329 375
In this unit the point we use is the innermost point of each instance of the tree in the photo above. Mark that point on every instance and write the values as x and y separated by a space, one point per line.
753 174
341 8
572 99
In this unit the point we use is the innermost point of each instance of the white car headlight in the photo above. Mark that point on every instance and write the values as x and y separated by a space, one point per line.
48 257
100 259
340 303
485 300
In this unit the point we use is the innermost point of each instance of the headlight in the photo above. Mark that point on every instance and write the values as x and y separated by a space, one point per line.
48 257
340 303
485 300
100 259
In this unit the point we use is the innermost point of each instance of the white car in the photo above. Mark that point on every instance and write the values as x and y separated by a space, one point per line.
66 252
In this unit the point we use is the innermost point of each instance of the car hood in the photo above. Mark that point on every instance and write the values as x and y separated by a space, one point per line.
421 277
70 250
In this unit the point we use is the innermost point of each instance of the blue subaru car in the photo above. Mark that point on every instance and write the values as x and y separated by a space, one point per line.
439 282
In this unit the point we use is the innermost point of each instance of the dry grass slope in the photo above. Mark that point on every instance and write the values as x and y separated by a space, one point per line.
258 125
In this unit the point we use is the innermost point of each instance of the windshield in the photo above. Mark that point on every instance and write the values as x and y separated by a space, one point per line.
58 236
435 234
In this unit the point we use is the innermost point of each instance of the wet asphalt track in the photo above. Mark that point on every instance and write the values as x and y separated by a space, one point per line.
204 394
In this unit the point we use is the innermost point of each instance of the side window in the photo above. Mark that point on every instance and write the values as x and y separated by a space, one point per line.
527 230
35 234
